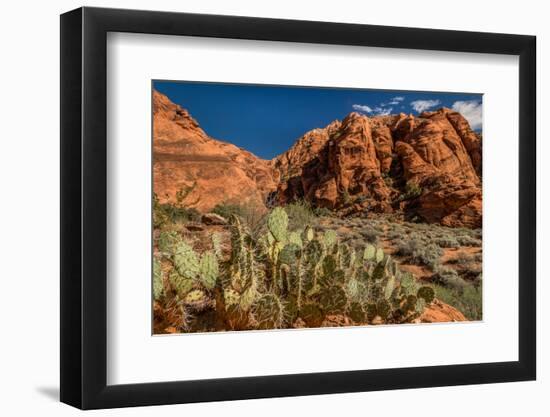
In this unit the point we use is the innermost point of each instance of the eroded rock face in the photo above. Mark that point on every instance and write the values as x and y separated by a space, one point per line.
342 167
209 171
370 164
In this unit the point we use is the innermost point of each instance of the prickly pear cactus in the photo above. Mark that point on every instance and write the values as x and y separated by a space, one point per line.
379 255
208 270
158 286
186 260
333 300
389 288
312 315
329 239
217 245
182 285
383 308
357 312
426 293
168 241
308 234
268 311
369 253
196 300
294 238
231 297
277 223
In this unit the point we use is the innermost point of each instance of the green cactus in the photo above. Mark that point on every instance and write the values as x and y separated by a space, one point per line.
196 300
389 288
208 270
289 254
371 311
420 305
333 300
346 257
408 284
329 239
379 271
383 308
168 241
182 285
379 255
357 313
329 266
312 315
295 239
308 234
158 286
268 312
426 293
277 223
313 252
369 253
186 260
231 297
217 245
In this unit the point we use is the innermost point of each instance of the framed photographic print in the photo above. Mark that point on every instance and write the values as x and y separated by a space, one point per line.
291 208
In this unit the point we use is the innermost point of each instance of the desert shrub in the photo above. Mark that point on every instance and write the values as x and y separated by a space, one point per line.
252 214
467 299
447 241
226 210
412 190
466 240
448 278
166 214
370 234
419 252
300 214
322 212
471 264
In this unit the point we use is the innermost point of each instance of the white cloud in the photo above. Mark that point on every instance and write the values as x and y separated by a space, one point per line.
362 108
379 110
396 100
422 105
471 110
382 111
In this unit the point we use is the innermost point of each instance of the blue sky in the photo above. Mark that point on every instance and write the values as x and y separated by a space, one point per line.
267 120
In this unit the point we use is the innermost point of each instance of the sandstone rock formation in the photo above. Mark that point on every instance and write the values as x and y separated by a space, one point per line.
371 164
208 171
427 166
439 312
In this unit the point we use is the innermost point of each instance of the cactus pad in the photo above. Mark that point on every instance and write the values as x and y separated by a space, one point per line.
186 260
426 293
269 312
277 223
158 286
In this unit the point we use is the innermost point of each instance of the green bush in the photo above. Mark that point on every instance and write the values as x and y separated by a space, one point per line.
467 299
300 214
250 213
419 252
447 241
412 190
370 234
166 214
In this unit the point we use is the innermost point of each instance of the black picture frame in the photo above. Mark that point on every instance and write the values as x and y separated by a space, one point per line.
84 207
